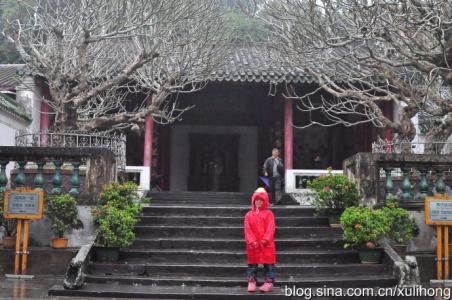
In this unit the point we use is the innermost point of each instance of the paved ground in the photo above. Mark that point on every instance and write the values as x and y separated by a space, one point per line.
32 289
37 289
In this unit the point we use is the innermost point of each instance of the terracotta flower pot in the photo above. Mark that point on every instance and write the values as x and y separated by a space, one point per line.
59 243
9 242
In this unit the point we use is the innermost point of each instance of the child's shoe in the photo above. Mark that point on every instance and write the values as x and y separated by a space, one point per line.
251 285
266 287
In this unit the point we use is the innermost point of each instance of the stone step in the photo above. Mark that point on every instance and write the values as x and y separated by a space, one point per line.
222 210
240 281
235 244
217 256
226 232
226 221
217 293
198 195
228 269
186 202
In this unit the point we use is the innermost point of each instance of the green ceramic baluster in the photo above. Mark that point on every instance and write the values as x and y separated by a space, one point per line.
57 179
389 183
423 185
75 179
406 185
39 178
20 178
440 185
3 177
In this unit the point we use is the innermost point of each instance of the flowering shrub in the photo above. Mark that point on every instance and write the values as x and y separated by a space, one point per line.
333 193
403 227
363 226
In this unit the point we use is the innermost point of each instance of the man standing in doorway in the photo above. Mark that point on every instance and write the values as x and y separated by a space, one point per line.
274 170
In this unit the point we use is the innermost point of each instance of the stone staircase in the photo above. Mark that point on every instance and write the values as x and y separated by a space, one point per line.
191 246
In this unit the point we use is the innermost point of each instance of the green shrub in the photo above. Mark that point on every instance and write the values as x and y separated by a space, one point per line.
120 195
117 211
8 224
115 226
333 193
403 226
363 226
62 213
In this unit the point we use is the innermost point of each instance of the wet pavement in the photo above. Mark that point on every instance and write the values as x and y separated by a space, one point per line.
37 289
33 289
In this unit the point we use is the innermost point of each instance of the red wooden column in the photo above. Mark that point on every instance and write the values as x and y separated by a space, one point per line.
45 122
45 116
388 113
165 144
148 129
288 135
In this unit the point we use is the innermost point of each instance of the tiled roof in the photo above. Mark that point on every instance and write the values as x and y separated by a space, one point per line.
9 78
13 107
257 64
244 64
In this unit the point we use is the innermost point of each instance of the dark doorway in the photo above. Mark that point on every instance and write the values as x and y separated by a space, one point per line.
214 162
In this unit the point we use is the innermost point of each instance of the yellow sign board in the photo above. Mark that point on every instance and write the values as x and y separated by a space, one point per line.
24 203
438 210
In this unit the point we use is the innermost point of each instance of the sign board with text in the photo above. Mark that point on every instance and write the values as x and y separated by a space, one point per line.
438 210
24 204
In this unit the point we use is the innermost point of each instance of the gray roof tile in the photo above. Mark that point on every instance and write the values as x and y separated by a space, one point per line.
13 107
244 64
8 76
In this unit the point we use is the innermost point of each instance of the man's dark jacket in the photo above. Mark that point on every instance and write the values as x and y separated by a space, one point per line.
268 166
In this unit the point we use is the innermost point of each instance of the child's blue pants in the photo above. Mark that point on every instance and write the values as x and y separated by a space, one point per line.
270 272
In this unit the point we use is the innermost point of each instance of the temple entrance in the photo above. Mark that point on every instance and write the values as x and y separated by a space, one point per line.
213 162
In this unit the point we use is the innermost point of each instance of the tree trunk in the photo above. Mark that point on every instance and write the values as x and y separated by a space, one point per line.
406 129
67 120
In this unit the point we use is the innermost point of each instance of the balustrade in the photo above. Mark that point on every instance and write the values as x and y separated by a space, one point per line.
38 181
410 177
99 162
426 187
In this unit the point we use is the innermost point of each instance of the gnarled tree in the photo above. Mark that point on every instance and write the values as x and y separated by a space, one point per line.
98 54
366 53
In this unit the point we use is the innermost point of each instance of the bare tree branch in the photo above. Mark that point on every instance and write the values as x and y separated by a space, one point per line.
96 55
366 53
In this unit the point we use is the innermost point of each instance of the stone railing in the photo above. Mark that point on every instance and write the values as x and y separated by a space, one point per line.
405 146
116 143
99 162
420 175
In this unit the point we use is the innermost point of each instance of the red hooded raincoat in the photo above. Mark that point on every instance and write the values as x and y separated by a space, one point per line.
259 226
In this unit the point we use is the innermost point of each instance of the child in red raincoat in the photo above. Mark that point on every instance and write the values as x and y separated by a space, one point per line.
260 244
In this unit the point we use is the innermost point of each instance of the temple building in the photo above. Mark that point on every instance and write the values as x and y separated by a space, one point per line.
221 143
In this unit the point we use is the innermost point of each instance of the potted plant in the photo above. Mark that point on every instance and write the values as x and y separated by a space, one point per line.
9 226
115 215
63 215
403 226
332 194
362 228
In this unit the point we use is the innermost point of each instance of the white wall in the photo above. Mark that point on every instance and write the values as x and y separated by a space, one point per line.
8 127
29 95
180 156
